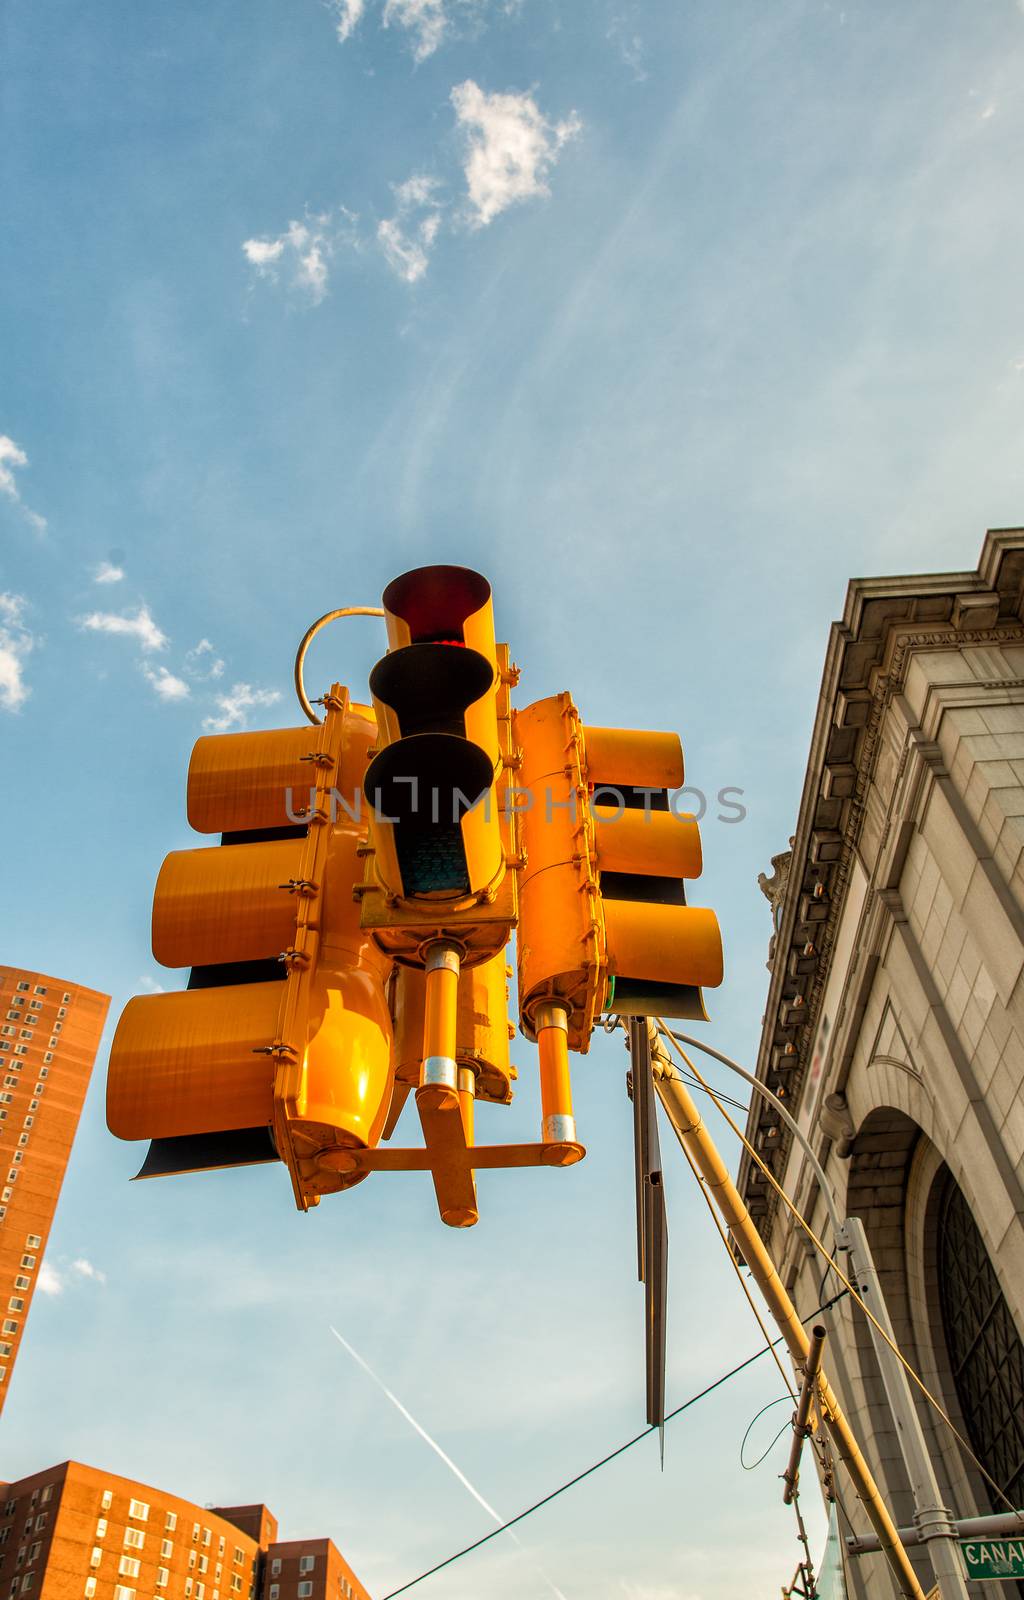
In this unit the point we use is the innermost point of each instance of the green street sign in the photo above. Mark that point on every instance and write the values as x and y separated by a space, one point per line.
993 1558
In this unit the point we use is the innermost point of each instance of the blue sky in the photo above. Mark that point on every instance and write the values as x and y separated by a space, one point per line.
670 319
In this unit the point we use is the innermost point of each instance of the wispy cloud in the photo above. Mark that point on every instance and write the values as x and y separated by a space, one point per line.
408 237
167 686
347 14
107 572
233 707
426 20
510 147
54 1280
302 253
150 986
138 625
12 458
16 644
203 662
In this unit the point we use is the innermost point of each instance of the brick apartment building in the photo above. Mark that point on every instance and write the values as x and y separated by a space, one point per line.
49 1034
74 1532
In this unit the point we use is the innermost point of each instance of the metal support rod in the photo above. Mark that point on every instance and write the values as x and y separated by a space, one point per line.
1002 1524
801 1417
933 1519
439 1072
689 1128
558 1125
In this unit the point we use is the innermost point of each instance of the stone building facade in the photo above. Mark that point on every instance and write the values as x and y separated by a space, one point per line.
894 1027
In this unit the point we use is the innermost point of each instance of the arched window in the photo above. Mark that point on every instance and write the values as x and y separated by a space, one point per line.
985 1350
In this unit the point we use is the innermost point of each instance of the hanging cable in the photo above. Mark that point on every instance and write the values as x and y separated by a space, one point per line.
750 1466
597 1465
802 1220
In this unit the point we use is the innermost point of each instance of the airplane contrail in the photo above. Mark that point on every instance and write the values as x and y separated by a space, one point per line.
449 1463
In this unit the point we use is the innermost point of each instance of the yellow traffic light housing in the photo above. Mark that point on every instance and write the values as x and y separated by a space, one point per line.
439 831
281 1045
604 925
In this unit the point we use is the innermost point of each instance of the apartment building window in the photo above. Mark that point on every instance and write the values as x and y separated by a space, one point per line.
101 1528
134 1538
41 1521
28 1262
14 1304
195 1533
275 1590
128 1566
167 1549
171 1521
239 1555
206 1537
96 1557
236 1583
275 1567
27 1582
67 997
34 1551
204 1562
200 1590
188 1586
217 1571
28 1122
139 1510
23 985
35 1005
90 1588
220 1545
307 1563
48 1057
62 1012
6 1194
10 1326
108 1497
53 1044
21 1049
10 1082
121 1593
191 1561
26 1033
58 1027
5 1350
162 1577
39 989
305 1589
21 1282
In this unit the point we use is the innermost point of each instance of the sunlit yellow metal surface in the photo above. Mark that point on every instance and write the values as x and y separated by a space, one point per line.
240 781
436 868
663 944
483 1031
647 842
184 1063
560 942
635 757
219 904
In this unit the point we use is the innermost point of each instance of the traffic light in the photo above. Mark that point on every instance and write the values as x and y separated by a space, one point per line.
604 924
439 829
280 1047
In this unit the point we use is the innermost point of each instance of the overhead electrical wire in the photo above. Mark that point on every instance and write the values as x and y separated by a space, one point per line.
597 1465
802 1220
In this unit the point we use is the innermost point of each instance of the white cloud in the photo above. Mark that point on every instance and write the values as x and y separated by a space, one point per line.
202 661
407 243
12 457
150 986
106 572
304 249
348 13
510 148
49 1280
167 686
85 1269
426 19
234 706
989 111
16 643
139 626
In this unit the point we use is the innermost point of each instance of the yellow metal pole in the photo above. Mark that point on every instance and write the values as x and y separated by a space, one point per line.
439 1078
558 1125
691 1132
